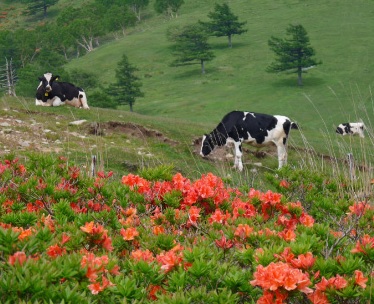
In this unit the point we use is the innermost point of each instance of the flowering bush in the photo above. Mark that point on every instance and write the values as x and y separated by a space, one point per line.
65 237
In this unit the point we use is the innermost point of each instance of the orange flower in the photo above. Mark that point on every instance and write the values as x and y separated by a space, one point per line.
24 233
243 231
306 220
158 230
360 280
55 251
129 234
288 235
88 227
318 297
223 242
65 238
169 260
193 215
139 255
18 257
284 184
281 275
359 208
304 261
364 244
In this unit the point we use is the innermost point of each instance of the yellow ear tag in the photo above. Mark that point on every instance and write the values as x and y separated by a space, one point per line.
46 94
57 78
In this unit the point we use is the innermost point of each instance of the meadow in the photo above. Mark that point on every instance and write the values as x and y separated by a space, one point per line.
157 223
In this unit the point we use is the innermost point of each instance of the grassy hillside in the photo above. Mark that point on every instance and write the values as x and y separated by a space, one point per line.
336 91
182 104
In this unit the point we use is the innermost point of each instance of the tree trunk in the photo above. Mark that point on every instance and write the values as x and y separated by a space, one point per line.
202 67
131 110
299 76
230 43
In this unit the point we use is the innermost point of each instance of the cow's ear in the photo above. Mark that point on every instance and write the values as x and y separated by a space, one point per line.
56 77
40 78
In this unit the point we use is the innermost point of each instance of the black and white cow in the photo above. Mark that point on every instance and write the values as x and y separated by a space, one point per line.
352 128
53 93
253 128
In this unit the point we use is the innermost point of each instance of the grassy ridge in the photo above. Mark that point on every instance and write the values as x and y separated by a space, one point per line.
236 78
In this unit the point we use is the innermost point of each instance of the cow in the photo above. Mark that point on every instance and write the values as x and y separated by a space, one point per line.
53 93
352 128
254 128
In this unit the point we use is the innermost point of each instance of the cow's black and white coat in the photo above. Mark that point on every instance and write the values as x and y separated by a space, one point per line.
53 93
352 128
254 128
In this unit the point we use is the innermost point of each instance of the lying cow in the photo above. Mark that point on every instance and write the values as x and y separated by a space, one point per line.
53 93
254 128
352 128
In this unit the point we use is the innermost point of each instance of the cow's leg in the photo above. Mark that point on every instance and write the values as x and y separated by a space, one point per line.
238 156
57 102
282 152
83 100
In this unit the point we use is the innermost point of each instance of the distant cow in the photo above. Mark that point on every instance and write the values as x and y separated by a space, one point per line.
352 128
254 128
53 93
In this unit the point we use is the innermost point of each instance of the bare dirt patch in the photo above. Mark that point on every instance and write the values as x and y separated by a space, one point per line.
130 129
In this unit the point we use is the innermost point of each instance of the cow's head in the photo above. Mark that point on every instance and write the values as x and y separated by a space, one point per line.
47 80
207 145
343 129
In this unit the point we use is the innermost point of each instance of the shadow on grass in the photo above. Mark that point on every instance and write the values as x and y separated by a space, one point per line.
287 81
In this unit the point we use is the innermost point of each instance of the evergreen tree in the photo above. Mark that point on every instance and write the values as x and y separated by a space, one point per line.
35 6
127 87
191 44
293 54
224 23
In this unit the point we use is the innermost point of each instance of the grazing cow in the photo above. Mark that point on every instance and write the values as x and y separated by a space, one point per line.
352 128
254 128
53 93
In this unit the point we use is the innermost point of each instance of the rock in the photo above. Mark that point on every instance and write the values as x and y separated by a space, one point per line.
77 122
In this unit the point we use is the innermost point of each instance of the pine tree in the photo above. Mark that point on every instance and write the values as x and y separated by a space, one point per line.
36 6
127 87
191 44
224 23
293 54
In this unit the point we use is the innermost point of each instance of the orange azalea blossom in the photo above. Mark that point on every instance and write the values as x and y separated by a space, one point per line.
243 231
242 209
153 290
48 222
306 220
136 182
219 217
129 234
359 208
318 297
193 215
336 234
97 287
140 255
360 280
65 238
281 275
303 261
169 260
223 242
288 235
253 193
364 244
284 184
275 297
158 230
271 197
286 256
55 251
23 233
336 282
18 257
